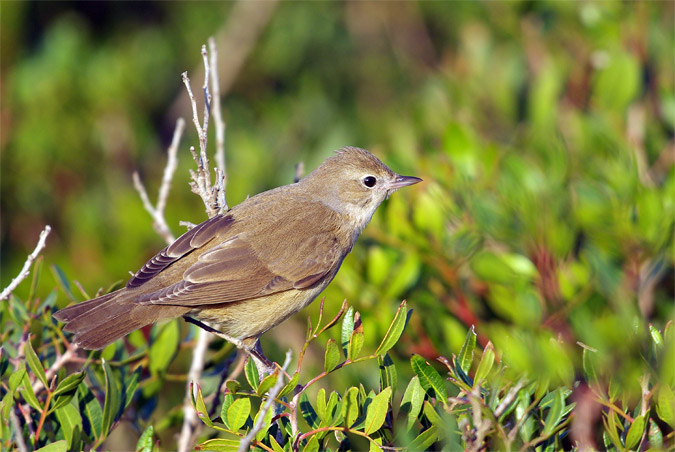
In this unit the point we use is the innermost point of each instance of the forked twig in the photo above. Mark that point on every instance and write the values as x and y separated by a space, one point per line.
25 270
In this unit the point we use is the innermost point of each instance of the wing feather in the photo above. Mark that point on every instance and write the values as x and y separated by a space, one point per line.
256 262
185 244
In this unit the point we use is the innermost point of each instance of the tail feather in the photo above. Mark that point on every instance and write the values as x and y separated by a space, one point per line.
100 321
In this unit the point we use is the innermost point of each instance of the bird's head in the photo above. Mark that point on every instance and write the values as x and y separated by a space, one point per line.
355 182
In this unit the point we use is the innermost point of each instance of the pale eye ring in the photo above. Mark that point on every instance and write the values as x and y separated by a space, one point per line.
369 181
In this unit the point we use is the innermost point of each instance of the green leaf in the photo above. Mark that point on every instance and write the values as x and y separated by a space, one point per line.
377 411
610 423
485 365
656 336
465 357
347 329
90 407
321 408
69 384
589 364
4 361
308 412
199 405
69 419
332 357
145 442
655 435
665 404
312 444
267 383
251 372
275 445
16 378
227 401
233 386
395 330
163 347
290 386
425 439
412 401
129 385
388 377
331 408
57 446
429 378
267 422
238 412
635 432
431 414
555 413
219 445
351 406
35 364
111 405
28 394
356 340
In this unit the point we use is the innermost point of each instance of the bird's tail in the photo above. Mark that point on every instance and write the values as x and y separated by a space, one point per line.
101 321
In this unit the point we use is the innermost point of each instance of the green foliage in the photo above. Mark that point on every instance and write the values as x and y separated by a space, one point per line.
537 254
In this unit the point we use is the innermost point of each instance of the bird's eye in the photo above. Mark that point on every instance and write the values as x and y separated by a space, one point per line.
369 181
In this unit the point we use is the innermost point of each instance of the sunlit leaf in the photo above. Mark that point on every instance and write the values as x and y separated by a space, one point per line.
395 330
251 372
635 432
429 378
347 329
465 357
238 412
411 403
377 411
332 355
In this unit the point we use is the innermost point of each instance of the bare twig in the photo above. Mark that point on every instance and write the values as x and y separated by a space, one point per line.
217 112
157 213
271 395
213 198
299 171
25 270
190 419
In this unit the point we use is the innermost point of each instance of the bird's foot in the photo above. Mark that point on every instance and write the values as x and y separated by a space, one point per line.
264 365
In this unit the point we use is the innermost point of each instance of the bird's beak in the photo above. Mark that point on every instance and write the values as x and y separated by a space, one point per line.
403 181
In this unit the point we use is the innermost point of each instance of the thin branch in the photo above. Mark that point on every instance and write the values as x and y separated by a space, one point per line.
245 442
26 265
299 172
213 198
171 164
157 213
217 112
190 420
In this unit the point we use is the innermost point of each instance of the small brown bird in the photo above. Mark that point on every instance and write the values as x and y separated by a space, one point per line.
248 269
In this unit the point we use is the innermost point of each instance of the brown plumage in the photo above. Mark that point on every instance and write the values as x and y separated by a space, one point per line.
247 270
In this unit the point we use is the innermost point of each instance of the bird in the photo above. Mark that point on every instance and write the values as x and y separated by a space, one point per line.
246 270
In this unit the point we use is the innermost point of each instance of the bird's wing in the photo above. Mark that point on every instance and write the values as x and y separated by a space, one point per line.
237 270
194 239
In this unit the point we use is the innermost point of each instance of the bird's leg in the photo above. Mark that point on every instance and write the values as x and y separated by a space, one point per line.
264 365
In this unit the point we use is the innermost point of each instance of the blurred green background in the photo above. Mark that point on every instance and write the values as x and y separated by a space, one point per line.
543 132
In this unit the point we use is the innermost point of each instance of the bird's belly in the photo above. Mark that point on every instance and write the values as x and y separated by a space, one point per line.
251 318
